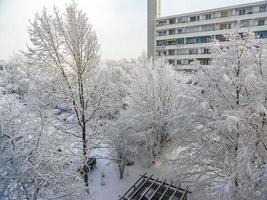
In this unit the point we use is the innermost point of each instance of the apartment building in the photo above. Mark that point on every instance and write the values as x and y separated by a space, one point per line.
181 39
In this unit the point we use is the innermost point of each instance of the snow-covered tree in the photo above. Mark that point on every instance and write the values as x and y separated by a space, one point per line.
224 151
123 147
35 162
65 48
152 106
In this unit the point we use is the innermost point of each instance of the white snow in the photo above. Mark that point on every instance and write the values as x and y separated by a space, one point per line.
111 187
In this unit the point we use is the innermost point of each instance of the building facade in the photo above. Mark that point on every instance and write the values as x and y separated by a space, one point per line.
153 12
181 39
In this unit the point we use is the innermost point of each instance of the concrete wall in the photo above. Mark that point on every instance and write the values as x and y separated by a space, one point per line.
153 11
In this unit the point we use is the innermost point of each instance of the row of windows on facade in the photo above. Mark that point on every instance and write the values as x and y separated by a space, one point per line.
202 39
208 16
172 52
192 40
212 27
202 61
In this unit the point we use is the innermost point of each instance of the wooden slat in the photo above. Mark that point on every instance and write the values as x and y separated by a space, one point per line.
151 185
157 189
137 189
140 185
184 194
163 194
175 191
142 176
172 186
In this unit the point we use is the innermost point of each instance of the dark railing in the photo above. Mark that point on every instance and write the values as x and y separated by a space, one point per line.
151 188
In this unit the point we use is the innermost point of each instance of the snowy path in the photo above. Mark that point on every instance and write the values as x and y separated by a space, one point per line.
111 186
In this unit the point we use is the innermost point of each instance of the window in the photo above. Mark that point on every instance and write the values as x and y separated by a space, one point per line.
262 34
209 39
172 32
206 51
262 8
181 20
210 27
181 51
244 23
190 40
194 18
199 40
179 31
225 26
190 61
161 23
224 14
261 22
242 12
171 62
179 62
180 41
193 51
171 52
208 16
204 61
162 33
171 42
161 43
205 39
172 21
192 29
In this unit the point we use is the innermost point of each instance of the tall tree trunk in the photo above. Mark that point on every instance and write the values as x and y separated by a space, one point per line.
85 157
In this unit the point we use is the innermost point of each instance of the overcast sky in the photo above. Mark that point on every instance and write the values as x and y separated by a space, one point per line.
120 24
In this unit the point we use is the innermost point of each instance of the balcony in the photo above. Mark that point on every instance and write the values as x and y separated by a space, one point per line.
217 31
217 20
212 18
206 30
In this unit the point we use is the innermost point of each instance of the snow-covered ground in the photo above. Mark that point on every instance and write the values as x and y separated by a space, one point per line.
111 186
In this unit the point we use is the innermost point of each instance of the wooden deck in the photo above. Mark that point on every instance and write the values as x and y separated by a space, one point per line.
149 188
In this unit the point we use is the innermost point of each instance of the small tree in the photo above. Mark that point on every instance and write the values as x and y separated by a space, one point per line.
123 147
152 106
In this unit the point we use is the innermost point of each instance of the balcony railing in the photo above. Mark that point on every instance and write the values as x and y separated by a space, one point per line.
207 30
176 44
186 54
214 17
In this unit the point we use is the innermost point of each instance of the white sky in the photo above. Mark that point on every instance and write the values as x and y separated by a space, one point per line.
120 24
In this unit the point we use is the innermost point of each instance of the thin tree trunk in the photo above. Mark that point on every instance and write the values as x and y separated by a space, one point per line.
85 175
